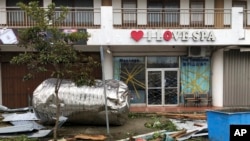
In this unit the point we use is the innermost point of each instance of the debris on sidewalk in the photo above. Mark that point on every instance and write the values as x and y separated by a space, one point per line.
183 116
24 123
186 129
6 109
90 137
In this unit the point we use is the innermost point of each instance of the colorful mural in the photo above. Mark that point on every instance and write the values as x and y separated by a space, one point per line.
195 75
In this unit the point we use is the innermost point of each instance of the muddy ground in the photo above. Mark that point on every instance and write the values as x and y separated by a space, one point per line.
137 124
133 126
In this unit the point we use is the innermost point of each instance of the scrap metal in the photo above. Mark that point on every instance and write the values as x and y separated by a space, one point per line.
82 104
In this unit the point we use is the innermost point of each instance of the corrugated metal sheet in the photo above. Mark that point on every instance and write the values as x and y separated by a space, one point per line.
236 78
20 116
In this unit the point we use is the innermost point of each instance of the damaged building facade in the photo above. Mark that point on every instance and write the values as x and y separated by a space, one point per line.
162 49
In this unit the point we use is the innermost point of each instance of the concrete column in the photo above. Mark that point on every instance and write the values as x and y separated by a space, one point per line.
108 64
237 22
106 39
217 78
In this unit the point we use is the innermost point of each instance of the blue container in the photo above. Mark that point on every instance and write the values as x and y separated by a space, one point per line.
219 122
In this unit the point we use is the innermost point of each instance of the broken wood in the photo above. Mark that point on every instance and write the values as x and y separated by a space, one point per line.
186 134
183 131
90 137
183 116
198 124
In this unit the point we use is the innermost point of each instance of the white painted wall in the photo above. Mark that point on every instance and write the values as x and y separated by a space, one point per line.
3 14
217 78
237 23
209 10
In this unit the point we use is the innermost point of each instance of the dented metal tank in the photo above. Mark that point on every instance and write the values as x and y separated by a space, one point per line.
84 104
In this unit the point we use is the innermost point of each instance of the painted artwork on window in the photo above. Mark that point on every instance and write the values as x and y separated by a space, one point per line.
195 75
131 70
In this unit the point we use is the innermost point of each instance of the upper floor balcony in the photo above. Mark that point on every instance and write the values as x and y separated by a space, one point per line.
132 18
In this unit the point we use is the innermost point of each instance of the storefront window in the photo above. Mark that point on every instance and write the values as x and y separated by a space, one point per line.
131 70
162 62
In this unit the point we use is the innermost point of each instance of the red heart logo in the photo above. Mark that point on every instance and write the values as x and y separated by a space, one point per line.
137 35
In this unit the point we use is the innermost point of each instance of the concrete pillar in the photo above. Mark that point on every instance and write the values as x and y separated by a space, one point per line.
217 78
106 39
237 22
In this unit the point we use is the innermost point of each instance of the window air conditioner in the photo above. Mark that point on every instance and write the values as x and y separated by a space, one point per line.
196 51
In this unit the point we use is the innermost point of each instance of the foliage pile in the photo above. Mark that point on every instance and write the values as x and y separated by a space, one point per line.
161 124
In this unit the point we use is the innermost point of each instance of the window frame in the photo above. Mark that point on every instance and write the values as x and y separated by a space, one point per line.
244 4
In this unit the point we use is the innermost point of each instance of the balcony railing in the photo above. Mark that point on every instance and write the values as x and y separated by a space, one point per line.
172 18
132 18
76 18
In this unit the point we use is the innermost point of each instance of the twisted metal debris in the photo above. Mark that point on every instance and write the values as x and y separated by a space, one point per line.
84 104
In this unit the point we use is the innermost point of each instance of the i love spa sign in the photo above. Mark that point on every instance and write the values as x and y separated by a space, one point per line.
137 35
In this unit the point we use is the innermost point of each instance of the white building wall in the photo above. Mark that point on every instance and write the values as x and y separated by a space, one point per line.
3 14
217 78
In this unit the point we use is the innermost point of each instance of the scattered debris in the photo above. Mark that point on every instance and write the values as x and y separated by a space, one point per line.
161 124
183 116
147 136
19 117
6 109
179 134
24 124
90 137
186 129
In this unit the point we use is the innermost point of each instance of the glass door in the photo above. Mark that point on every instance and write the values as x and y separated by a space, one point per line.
154 90
170 87
162 87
